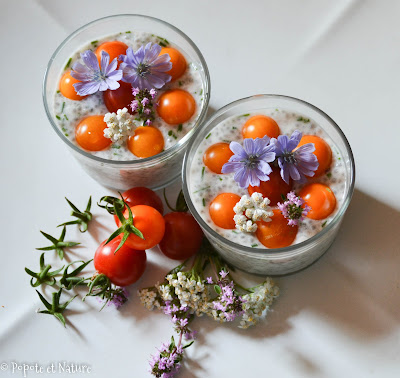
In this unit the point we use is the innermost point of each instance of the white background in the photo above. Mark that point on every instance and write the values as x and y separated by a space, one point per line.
338 318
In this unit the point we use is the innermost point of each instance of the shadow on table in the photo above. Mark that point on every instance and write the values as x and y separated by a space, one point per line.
355 286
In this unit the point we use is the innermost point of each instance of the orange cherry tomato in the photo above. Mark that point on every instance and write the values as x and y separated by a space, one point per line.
274 188
67 89
151 224
322 151
141 195
113 48
176 106
119 98
89 133
216 156
178 62
221 210
320 198
259 126
147 141
277 233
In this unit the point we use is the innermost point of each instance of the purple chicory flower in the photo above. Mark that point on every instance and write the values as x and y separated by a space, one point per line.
294 163
294 209
94 77
146 68
210 280
250 161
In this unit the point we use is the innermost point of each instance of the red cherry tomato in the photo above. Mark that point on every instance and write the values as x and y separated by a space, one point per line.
150 222
183 236
122 268
142 196
274 188
119 98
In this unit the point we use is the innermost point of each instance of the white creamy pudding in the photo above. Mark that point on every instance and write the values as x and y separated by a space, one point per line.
69 112
204 185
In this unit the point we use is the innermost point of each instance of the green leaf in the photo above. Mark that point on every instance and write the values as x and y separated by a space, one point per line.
217 289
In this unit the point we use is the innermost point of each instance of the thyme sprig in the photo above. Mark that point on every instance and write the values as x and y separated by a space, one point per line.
83 217
101 286
70 280
55 308
127 227
44 276
58 244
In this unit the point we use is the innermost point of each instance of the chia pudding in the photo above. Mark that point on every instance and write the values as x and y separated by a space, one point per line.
69 112
205 185
117 163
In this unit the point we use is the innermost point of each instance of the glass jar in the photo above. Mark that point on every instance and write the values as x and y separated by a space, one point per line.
154 172
280 260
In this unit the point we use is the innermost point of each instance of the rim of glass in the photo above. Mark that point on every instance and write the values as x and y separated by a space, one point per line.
277 252
161 156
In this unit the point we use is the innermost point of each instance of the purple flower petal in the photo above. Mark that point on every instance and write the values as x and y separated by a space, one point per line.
93 78
145 68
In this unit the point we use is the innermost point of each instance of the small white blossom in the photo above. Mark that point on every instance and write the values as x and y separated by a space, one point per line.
120 125
255 208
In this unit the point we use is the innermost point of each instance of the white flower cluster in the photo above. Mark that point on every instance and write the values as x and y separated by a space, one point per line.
256 303
120 125
195 295
255 208
191 293
149 299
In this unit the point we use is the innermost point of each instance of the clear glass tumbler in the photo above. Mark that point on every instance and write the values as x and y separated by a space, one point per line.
154 172
280 260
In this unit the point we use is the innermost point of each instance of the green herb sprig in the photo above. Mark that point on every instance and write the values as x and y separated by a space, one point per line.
44 276
58 244
55 308
83 217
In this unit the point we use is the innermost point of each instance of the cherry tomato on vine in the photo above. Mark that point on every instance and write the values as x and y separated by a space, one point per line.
183 236
142 196
122 268
149 222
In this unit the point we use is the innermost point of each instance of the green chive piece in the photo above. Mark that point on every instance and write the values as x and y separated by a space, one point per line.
324 224
65 116
254 245
204 202
180 127
208 136
68 63
206 187
58 117
94 42
202 172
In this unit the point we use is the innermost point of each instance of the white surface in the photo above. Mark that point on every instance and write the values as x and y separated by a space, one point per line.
338 318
